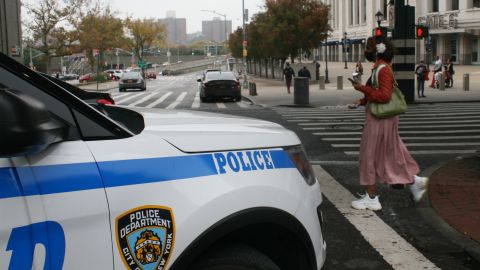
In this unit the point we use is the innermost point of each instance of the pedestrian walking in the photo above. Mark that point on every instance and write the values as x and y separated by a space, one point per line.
436 68
304 72
288 73
420 71
359 70
383 155
450 71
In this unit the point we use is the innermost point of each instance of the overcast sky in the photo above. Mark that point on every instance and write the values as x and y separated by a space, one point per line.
188 9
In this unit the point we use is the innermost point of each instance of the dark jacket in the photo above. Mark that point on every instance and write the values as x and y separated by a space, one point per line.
288 72
304 72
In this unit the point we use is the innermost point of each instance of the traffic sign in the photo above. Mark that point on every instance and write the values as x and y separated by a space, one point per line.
95 52
244 43
245 53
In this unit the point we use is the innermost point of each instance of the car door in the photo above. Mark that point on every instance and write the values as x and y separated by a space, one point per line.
66 223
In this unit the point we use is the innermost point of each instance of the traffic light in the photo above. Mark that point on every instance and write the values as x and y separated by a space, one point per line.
380 31
421 32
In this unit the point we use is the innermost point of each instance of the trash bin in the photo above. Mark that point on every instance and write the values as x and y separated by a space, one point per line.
301 90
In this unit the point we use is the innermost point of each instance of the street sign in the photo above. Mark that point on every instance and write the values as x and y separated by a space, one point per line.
141 64
244 43
245 53
95 52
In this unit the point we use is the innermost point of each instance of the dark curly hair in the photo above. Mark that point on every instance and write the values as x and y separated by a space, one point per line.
390 50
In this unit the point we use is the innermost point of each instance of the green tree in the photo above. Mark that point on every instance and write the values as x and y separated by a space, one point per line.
101 30
235 43
143 34
47 17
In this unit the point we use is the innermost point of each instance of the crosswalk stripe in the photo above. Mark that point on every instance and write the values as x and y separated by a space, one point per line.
349 145
242 104
159 100
401 132
177 101
118 95
196 101
394 249
402 127
129 98
426 152
412 138
221 105
143 99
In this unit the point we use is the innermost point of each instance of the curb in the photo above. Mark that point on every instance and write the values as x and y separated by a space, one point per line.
435 221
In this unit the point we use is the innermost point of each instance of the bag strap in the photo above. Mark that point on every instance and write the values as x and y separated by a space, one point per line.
377 71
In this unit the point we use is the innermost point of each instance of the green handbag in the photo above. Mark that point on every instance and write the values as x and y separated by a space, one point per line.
397 104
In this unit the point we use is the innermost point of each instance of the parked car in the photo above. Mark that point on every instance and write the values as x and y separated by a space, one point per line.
219 84
151 75
167 72
87 96
163 190
70 77
114 74
132 80
86 78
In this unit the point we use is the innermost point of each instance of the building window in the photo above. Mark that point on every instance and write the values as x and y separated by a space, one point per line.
435 6
475 50
455 5
476 3
453 49
351 12
364 11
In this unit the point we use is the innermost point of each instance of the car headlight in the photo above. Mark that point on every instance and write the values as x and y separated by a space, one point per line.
299 158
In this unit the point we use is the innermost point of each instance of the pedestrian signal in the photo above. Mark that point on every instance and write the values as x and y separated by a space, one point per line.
380 31
421 32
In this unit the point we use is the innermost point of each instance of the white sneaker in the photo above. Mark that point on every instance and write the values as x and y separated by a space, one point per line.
367 203
419 187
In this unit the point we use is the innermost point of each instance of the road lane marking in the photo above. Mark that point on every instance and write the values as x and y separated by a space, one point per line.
129 98
243 104
196 101
177 101
159 100
143 99
426 152
396 251
221 105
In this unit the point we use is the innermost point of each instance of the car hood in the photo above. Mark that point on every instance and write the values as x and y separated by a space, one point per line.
193 131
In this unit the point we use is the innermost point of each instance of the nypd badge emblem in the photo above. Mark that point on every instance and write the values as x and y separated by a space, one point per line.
145 237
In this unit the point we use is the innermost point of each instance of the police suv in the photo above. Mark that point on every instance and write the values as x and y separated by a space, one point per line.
114 188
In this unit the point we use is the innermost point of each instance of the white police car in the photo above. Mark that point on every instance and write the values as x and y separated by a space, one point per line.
150 189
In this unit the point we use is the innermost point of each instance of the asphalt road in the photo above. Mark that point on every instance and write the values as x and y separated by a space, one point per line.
434 133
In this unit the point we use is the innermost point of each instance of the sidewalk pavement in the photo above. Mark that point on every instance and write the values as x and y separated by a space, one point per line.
454 187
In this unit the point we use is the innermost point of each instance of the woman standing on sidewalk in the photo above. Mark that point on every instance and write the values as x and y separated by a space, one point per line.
383 155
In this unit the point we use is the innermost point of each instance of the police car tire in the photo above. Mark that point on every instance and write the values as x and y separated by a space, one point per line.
235 257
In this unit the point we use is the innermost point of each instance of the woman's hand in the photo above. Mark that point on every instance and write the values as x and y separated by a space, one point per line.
356 84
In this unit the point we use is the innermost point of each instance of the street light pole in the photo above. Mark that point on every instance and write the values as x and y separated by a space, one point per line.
244 48
326 62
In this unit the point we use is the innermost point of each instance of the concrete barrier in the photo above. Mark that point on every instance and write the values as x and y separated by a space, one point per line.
321 82
340 82
466 82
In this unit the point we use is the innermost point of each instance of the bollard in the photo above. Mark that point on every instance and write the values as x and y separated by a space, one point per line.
466 82
321 82
301 90
441 85
254 89
339 82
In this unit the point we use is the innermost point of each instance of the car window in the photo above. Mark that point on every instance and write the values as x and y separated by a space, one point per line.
82 119
131 75
220 76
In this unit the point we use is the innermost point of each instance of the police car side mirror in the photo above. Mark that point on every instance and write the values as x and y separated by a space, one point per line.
26 126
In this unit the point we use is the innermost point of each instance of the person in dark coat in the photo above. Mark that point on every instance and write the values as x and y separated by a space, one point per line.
304 72
289 73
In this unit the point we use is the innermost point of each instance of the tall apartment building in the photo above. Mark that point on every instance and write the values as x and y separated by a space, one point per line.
217 29
176 28
454 28
10 28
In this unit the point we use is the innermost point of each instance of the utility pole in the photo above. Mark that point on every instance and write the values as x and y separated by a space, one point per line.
244 46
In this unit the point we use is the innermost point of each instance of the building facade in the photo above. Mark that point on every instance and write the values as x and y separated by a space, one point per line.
454 28
10 28
176 30
216 30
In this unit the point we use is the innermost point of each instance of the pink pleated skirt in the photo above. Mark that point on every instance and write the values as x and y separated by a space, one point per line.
383 155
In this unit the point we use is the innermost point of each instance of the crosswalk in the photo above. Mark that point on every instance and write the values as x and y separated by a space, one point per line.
172 100
427 129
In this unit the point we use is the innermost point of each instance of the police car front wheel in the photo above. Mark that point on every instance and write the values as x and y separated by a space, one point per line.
235 257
